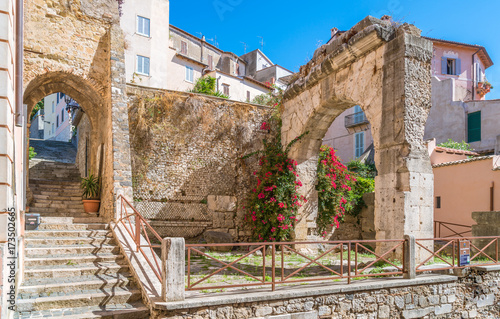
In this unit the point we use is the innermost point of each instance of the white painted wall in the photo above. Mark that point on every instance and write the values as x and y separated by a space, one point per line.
154 47
238 86
50 105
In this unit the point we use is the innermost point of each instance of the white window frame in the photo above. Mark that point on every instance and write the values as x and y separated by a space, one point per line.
189 74
138 63
356 147
140 32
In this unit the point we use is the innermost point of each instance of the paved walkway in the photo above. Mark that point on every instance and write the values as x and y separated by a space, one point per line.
56 151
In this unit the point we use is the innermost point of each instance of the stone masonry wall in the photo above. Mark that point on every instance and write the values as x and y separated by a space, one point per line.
474 296
188 174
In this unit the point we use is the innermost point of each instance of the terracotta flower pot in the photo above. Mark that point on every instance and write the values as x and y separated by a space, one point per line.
91 205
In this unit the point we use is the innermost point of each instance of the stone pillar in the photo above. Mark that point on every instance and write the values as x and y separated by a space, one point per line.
306 217
409 265
173 263
122 167
404 185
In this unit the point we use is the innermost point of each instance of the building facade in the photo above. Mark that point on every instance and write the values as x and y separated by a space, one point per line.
145 25
459 110
13 146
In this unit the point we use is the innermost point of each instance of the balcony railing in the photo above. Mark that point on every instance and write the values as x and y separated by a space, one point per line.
355 119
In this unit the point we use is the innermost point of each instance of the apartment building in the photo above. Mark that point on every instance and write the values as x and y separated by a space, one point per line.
459 110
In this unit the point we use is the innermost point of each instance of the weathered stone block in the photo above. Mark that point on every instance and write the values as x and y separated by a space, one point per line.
305 315
222 203
263 311
214 237
443 309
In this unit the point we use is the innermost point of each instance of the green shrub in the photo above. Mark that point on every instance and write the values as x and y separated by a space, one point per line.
206 85
456 145
31 152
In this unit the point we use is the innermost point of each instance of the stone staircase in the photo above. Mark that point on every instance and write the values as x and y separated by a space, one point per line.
73 267
56 189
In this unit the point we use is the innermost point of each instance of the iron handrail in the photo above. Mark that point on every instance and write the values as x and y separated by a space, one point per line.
454 244
135 229
438 224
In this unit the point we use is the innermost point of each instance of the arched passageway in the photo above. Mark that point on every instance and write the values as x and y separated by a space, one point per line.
385 69
93 153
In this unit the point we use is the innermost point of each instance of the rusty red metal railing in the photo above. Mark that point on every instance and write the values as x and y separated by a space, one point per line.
348 268
447 251
440 226
136 225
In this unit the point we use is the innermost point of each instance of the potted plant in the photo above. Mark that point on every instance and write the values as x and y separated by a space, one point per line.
91 187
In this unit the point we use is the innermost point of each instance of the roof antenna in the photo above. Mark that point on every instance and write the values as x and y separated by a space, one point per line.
244 46
261 42
201 34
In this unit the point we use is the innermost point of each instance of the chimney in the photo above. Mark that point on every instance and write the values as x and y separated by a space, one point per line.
334 31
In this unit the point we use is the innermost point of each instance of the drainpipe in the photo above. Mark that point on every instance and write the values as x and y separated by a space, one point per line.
474 76
202 47
19 63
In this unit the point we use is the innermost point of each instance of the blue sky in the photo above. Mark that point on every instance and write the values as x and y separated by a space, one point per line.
293 29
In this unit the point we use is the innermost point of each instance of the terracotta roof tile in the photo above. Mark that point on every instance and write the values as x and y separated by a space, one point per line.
474 159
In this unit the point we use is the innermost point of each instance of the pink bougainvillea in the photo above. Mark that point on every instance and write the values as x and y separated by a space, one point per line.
334 190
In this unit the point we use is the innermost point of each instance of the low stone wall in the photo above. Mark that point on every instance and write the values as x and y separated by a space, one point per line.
475 295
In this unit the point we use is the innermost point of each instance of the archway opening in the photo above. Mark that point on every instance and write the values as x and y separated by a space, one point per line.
69 131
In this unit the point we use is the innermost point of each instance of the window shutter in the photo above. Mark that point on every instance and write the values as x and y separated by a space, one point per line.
140 25
458 67
146 66
139 64
474 127
444 64
147 25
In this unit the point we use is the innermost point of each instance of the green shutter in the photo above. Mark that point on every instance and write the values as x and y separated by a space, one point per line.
474 127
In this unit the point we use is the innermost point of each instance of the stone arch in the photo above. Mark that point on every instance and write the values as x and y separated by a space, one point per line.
386 70
86 93
89 96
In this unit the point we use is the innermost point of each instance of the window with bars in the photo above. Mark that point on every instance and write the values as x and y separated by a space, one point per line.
248 96
142 65
143 26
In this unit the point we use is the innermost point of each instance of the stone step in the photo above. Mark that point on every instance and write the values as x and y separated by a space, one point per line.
73 259
85 220
59 285
86 298
56 185
76 249
66 233
123 311
48 200
75 270
55 182
66 204
56 226
39 197
54 194
82 215
56 210
67 241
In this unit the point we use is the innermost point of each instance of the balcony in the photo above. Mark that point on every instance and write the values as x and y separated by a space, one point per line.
356 119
